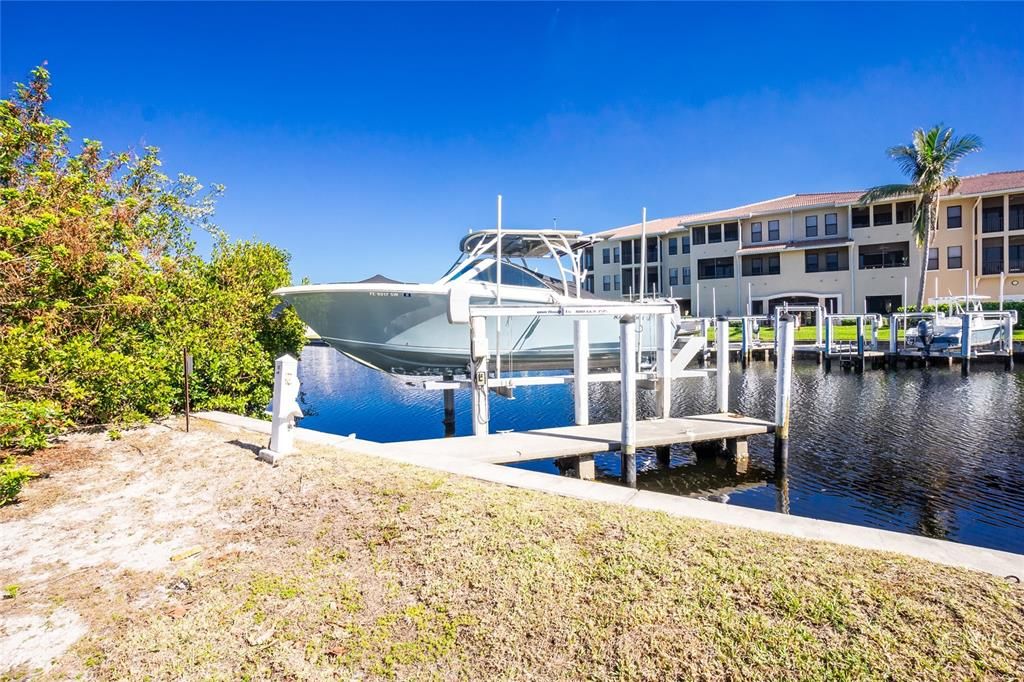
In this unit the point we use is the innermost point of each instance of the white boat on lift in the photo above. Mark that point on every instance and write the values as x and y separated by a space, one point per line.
407 329
944 332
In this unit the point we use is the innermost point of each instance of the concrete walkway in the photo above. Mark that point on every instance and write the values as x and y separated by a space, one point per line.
940 551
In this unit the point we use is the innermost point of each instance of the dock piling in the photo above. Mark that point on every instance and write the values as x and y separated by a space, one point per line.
783 384
478 369
581 371
965 344
627 360
722 362
449 408
663 393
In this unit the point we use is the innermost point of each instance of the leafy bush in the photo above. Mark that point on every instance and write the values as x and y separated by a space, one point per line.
101 288
12 476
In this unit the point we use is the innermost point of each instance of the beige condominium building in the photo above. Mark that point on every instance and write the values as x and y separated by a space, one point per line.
824 249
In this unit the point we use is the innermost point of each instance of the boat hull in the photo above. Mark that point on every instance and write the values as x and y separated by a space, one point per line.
405 330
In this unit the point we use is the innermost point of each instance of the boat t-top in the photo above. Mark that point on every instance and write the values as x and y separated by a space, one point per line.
403 328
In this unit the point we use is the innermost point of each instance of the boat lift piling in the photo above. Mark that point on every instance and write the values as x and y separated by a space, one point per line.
627 356
785 334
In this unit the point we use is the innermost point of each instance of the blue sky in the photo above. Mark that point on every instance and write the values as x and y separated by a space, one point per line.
369 138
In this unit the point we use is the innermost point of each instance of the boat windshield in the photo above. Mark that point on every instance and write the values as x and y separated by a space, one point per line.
511 275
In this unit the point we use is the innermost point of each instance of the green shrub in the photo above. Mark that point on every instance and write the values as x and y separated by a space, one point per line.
102 288
12 476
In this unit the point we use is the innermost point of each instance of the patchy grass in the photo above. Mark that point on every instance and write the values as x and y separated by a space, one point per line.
335 565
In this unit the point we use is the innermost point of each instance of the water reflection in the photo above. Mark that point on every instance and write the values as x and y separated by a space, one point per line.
922 450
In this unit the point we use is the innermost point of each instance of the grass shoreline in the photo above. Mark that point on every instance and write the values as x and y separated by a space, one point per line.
343 565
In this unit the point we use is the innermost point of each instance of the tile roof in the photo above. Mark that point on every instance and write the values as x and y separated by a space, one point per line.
969 185
991 182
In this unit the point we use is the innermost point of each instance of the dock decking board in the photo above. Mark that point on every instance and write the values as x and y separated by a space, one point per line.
573 441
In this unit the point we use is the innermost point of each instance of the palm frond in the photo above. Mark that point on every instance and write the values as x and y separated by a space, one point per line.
960 147
906 158
887 192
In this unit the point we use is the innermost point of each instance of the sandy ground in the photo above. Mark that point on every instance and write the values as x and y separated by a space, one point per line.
166 555
116 521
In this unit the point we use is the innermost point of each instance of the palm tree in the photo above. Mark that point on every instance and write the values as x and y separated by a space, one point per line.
930 161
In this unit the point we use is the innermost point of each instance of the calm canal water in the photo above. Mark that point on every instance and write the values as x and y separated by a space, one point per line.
918 451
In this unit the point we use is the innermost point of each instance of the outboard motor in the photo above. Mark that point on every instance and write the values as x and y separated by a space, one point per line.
925 334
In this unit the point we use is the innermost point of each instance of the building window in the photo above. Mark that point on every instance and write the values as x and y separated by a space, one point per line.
1016 255
673 246
615 254
954 217
773 230
686 243
991 256
588 258
673 277
714 234
617 282
992 219
714 268
755 232
891 255
653 283
698 235
860 216
832 261
606 256
606 283
588 284
732 232
811 226
954 257
773 265
883 214
810 262
831 223
933 258
757 266
1016 217
686 276
905 212
653 250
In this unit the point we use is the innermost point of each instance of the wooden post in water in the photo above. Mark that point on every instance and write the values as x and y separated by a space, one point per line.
627 365
478 376
722 362
783 384
581 371
965 344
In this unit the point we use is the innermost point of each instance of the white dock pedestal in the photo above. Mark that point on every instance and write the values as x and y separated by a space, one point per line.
283 411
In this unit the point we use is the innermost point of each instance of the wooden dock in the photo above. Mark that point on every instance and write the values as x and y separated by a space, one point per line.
576 441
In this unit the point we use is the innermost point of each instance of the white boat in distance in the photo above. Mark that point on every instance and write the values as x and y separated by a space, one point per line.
405 329
944 332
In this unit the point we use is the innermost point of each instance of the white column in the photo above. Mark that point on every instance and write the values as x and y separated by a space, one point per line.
627 367
581 372
666 338
284 410
478 351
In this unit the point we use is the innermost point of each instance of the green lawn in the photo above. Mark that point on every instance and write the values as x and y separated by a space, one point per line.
339 566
